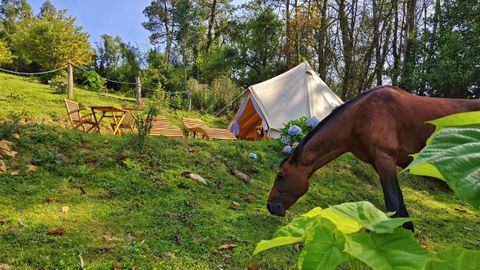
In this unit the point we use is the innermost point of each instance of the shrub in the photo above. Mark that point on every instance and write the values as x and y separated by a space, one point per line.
93 80
6 56
294 131
12 125
214 97
144 125
59 82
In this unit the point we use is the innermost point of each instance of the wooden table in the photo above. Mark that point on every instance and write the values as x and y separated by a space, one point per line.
117 114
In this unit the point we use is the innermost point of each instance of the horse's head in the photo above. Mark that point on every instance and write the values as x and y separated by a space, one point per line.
290 184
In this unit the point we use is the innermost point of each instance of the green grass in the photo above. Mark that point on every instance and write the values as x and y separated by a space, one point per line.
38 102
138 211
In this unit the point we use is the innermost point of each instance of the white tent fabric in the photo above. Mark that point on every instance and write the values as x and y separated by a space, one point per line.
288 96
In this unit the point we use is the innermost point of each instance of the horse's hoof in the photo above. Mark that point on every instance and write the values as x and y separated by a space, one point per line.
408 226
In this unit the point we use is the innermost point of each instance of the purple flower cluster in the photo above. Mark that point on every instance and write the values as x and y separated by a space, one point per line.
313 122
294 130
287 149
285 140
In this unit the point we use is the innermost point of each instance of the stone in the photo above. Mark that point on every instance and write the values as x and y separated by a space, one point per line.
6 149
31 168
5 267
3 167
7 145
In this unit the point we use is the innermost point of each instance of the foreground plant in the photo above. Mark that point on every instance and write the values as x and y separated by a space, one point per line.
144 124
360 235
453 155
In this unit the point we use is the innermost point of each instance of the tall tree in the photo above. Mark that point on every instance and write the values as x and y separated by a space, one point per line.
409 52
12 12
56 41
347 27
322 38
108 54
256 39
211 21
161 24
47 9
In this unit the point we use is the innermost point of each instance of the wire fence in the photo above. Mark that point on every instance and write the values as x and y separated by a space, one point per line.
32 73
115 81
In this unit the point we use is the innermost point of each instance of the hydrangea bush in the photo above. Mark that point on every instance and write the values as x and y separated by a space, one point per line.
294 131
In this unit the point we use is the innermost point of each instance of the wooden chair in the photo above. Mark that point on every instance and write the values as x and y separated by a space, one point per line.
161 127
195 126
128 122
76 119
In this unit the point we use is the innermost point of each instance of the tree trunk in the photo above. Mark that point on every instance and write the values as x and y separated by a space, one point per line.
322 41
409 53
168 32
377 11
210 24
297 31
288 35
395 54
347 44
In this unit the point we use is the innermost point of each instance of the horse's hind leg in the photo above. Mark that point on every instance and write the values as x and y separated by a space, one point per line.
386 168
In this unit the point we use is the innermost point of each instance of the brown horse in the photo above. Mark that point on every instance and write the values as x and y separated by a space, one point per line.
382 127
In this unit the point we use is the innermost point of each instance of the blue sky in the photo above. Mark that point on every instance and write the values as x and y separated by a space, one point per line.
114 17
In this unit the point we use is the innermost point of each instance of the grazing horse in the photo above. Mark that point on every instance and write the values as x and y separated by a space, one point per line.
382 127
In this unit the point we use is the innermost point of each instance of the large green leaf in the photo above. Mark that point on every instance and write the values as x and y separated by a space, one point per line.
343 223
388 226
398 250
455 257
363 212
455 153
455 120
323 248
366 214
294 232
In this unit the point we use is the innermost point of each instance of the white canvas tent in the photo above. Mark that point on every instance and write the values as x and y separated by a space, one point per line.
288 96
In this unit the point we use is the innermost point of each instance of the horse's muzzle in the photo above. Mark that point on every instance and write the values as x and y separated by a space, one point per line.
276 208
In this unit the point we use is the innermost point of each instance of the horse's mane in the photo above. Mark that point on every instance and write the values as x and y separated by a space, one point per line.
293 158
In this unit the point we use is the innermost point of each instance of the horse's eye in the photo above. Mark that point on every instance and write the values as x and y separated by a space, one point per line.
280 178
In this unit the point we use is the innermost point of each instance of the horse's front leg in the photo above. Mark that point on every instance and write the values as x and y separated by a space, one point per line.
387 170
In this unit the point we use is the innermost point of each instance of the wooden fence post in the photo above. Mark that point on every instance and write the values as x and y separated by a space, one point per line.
70 81
138 90
190 93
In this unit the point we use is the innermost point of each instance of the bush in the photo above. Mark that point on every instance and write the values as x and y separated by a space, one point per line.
294 131
12 125
93 80
213 98
144 125
6 56
161 99
59 82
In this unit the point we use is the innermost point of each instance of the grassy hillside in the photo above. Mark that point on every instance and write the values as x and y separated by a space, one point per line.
132 208
40 103
37 102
